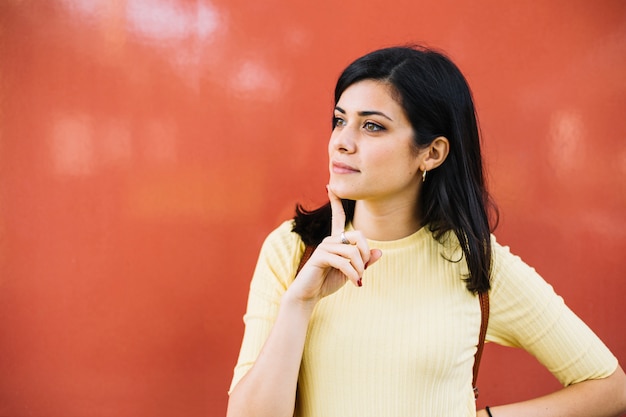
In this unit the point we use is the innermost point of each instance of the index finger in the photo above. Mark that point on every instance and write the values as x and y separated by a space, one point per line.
338 217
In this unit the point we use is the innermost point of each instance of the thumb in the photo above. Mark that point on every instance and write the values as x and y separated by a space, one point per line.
375 255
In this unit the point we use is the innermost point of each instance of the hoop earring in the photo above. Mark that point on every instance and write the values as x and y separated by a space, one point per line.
424 176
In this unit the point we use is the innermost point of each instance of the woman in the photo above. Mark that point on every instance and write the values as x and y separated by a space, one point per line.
407 226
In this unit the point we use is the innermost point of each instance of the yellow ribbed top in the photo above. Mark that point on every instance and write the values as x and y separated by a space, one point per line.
404 343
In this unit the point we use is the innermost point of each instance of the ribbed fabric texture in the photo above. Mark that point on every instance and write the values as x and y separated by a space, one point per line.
404 343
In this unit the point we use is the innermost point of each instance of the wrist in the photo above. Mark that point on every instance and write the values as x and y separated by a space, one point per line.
291 301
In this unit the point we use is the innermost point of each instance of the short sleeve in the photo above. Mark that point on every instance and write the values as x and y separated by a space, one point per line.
528 314
274 272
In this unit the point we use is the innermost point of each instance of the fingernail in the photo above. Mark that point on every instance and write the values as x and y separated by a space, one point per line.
366 265
360 282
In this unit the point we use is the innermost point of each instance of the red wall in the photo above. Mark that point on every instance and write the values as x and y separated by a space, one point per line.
147 148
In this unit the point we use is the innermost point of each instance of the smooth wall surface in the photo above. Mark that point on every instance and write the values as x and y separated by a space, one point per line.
147 148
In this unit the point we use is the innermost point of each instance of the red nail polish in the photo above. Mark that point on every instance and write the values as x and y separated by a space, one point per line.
360 282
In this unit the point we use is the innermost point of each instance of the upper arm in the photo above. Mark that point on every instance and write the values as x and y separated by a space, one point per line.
274 271
527 313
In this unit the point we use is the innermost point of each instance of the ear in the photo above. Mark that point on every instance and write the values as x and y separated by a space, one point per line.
435 153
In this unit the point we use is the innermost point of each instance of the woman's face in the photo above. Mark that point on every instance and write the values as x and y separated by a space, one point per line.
371 152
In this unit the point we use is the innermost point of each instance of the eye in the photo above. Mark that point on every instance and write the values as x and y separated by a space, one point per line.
373 127
338 122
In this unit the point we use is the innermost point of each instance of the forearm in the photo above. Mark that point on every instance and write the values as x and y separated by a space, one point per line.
269 387
594 398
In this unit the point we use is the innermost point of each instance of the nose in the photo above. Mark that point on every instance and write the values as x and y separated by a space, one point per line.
343 140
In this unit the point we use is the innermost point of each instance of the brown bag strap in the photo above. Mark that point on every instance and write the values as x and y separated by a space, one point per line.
483 297
484 320
308 251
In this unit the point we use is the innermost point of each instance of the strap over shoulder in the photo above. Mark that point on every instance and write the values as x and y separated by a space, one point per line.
308 251
483 297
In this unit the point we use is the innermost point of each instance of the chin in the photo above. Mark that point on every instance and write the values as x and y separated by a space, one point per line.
344 190
346 194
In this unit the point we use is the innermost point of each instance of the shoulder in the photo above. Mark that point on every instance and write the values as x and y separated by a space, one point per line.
507 265
518 290
280 253
509 269
283 236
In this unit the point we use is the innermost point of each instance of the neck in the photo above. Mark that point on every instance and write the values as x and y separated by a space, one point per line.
385 221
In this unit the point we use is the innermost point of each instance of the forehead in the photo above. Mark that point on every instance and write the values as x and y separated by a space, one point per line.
370 95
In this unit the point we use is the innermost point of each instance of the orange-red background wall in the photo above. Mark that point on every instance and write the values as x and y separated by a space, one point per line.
148 146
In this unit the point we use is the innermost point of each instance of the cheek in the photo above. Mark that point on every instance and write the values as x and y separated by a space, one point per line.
402 167
392 160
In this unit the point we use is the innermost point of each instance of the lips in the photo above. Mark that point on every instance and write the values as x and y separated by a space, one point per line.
341 168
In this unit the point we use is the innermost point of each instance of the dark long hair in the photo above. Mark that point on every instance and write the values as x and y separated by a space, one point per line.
438 102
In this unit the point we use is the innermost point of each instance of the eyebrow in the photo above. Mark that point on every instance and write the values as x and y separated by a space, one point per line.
366 113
